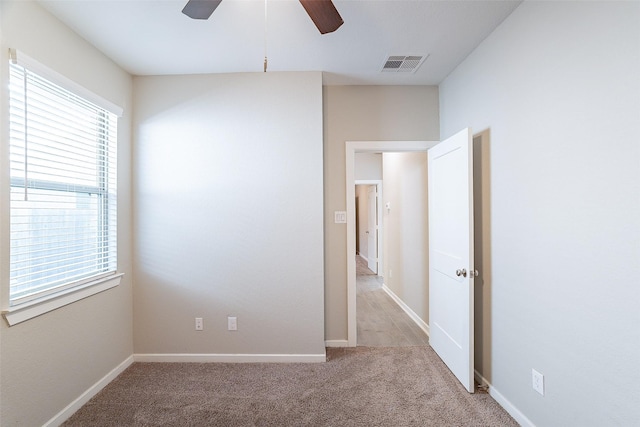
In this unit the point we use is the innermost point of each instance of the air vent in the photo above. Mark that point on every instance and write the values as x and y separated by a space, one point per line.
403 64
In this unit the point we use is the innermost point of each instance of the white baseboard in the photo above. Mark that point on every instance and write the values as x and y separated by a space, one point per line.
364 258
418 321
336 343
64 415
232 358
504 402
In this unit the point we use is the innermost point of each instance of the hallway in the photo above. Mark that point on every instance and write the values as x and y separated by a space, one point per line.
380 321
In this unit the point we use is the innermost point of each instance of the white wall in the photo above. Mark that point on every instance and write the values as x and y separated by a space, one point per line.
406 229
363 113
47 362
557 87
228 214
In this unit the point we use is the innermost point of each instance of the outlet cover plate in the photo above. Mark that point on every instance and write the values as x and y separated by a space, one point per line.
232 323
537 381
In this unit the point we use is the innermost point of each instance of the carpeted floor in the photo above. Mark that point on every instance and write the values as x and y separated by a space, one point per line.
406 386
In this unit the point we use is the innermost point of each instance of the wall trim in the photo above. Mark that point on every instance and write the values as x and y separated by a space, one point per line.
504 402
230 358
412 314
29 310
71 408
336 343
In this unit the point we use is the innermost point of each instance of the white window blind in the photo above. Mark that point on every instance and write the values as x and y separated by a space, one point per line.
63 188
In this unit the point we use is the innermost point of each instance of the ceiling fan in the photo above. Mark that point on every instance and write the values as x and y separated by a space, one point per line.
322 12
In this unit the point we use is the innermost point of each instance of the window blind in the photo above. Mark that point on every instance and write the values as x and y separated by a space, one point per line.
62 152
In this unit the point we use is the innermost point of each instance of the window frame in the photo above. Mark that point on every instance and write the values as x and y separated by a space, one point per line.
18 311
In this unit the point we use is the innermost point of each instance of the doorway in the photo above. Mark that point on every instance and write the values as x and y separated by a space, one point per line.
454 174
382 317
353 147
368 219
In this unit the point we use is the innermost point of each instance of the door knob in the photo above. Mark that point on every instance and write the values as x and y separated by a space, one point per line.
462 272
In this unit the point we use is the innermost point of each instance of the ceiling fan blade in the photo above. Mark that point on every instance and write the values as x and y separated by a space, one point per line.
324 14
200 9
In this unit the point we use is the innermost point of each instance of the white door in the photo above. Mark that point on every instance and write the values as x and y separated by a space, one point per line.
372 229
451 254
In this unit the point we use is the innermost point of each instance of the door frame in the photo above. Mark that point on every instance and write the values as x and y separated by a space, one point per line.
378 185
351 148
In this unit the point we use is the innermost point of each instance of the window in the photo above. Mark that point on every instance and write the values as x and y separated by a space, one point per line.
62 150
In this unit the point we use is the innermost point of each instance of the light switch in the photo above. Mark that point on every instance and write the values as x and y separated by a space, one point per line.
340 217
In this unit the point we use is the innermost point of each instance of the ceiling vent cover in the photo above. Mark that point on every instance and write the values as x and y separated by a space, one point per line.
403 64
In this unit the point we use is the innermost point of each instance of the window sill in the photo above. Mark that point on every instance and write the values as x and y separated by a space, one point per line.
23 312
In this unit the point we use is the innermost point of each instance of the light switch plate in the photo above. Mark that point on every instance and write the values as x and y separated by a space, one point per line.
340 217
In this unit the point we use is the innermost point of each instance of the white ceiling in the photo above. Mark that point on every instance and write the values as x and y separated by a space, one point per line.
153 37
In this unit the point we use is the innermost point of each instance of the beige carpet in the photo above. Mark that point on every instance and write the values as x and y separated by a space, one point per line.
361 386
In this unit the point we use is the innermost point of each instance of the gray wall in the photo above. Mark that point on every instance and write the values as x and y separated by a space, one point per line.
556 87
49 361
406 229
228 214
363 113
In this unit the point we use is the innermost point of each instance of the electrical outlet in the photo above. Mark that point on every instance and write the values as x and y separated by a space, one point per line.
199 324
232 323
537 380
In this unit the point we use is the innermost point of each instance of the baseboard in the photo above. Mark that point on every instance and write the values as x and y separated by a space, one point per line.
364 258
232 358
64 415
418 321
336 343
504 402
